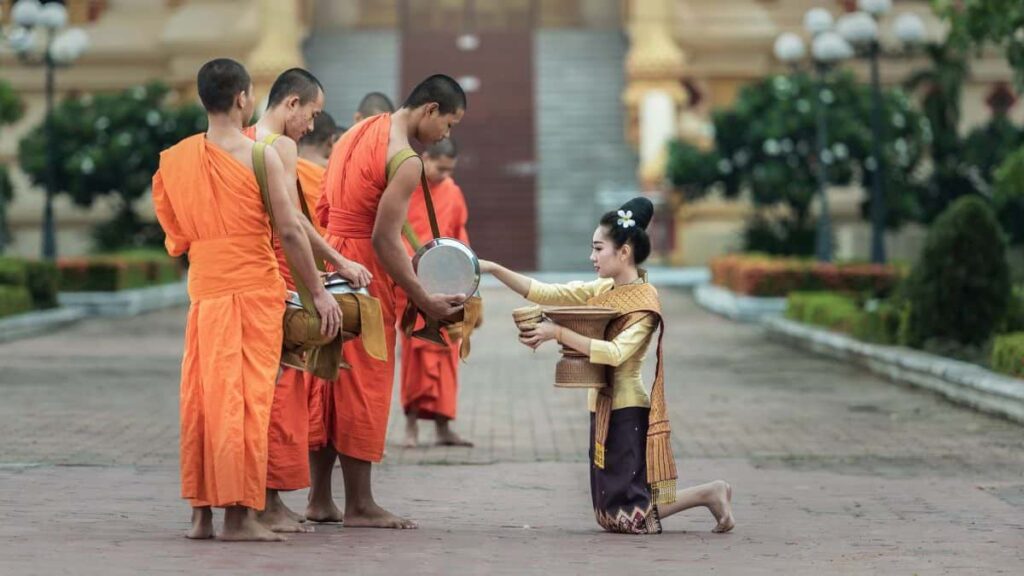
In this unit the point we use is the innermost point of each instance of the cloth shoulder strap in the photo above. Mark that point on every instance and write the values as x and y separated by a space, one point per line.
259 165
392 167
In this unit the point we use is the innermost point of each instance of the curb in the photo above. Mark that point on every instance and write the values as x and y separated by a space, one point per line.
127 302
36 323
736 307
960 382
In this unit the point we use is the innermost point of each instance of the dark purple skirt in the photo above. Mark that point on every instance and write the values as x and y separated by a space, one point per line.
622 497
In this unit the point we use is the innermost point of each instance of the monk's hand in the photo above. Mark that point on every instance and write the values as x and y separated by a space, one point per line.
356 274
544 331
330 313
441 306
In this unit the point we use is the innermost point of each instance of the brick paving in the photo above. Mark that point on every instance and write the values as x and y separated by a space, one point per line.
836 471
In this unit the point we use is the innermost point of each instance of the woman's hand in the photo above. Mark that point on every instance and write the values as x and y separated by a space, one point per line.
546 330
487 267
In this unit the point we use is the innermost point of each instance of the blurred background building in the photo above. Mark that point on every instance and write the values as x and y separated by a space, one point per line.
571 102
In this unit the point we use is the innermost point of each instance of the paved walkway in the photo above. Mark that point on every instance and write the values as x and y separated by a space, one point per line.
835 471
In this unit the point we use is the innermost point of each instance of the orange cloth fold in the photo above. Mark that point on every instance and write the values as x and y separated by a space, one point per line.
209 206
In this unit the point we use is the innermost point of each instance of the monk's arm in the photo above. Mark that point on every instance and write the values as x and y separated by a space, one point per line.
387 230
174 240
353 272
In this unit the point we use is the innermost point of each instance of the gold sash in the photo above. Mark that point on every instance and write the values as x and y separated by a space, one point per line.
635 302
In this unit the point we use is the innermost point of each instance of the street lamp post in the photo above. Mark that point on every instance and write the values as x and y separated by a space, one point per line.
827 49
60 48
860 28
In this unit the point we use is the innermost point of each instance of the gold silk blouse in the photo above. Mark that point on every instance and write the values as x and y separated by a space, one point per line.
626 353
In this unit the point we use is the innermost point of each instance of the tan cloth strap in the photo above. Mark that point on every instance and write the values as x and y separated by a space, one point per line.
637 302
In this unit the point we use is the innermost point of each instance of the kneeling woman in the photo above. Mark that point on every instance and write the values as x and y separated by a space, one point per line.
632 470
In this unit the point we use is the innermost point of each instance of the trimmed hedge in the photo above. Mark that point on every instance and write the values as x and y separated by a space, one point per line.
1008 354
960 288
763 276
878 323
39 278
14 300
117 272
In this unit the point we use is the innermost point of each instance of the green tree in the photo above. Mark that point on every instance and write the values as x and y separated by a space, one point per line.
766 144
11 110
940 87
110 144
1008 196
975 23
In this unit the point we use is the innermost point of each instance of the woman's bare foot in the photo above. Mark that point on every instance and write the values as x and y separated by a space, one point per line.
373 516
278 518
324 513
240 525
721 507
202 524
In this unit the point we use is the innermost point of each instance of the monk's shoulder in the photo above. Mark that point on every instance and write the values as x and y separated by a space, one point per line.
287 149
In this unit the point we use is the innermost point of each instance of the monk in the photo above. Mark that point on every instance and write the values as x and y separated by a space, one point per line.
430 373
372 104
314 150
209 205
296 99
364 208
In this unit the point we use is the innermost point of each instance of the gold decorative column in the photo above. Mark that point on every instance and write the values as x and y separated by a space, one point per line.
279 45
655 66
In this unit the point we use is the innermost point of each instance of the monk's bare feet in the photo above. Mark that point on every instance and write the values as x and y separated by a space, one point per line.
324 513
450 438
412 432
373 516
241 525
278 518
445 436
202 524
294 515
721 507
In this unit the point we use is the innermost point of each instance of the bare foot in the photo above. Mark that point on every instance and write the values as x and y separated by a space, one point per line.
721 507
295 516
242 526
277 519
452 439
327 513
374 516
202 524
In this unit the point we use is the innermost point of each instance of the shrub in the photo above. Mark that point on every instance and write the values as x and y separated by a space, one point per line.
42 280
959 290
1013 320
1008 354
760 275
12 272
109 273
14 300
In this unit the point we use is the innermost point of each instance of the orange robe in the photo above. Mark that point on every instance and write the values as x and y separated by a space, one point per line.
430 373
359 401
290 415
209 206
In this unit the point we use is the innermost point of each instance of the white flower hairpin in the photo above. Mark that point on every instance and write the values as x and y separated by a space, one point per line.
626 219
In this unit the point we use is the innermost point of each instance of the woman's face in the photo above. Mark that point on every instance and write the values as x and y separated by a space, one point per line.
608 260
